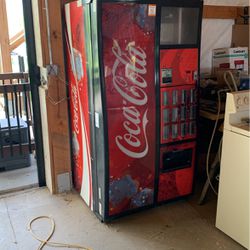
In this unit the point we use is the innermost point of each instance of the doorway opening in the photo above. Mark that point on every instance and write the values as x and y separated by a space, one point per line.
19 157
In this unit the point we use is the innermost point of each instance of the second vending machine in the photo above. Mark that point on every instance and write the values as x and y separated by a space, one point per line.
133 75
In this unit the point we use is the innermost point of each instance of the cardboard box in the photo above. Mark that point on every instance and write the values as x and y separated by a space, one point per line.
231 58
240 35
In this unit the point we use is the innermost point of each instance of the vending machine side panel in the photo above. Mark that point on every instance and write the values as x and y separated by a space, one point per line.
100 162
79 100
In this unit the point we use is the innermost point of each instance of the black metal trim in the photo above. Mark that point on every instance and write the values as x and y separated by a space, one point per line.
97 107
181 3
179 46
34 83
18 120
158 102
104 108
178 142
198 99
8 119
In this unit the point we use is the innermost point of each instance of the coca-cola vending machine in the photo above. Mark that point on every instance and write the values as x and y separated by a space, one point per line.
133 72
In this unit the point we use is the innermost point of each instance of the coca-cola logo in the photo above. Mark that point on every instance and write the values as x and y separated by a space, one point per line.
75 104
131 86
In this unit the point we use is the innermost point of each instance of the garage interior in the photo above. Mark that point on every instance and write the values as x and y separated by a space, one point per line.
89 162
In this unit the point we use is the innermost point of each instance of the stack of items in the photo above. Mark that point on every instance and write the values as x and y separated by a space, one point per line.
240 37
209 97
235 60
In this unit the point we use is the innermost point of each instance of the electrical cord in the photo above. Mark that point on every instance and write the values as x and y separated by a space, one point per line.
231 89
44 242
57 74
219 157
229 74
211 141
219 150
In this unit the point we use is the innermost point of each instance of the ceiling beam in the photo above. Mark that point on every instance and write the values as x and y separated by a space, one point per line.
221 12
17 40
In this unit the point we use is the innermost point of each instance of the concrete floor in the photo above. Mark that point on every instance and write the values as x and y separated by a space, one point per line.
19 179
180 225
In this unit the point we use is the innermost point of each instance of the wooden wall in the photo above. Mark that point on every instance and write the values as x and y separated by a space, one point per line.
222 12
55 89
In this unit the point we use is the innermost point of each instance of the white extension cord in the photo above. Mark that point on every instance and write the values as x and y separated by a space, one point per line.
44 242
231 89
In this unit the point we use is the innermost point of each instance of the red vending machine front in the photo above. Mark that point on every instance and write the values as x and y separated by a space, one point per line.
133 72
128 61
179 56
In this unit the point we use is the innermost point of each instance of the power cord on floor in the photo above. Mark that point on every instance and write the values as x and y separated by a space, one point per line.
47 241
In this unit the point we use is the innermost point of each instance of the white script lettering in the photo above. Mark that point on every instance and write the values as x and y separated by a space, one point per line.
131 87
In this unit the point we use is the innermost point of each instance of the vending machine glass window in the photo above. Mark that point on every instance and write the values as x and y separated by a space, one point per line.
179 25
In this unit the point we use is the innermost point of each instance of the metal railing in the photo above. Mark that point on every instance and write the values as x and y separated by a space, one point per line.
16 119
